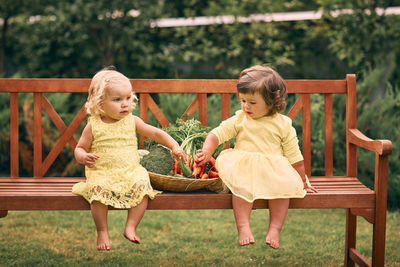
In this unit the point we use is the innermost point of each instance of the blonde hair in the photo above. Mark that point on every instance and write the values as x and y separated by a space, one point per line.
101 82
264 80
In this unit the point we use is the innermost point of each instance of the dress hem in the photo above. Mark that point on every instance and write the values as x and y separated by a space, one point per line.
265 198
130 205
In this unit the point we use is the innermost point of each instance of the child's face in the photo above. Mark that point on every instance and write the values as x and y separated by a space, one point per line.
253 105
117 103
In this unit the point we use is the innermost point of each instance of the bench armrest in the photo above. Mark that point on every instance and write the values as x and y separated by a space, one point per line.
382 147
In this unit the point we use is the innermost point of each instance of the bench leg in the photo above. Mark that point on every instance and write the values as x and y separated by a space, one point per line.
379 235
378 246
3 213
351 233
379 238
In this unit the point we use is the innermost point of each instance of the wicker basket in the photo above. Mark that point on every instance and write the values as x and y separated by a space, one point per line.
177 184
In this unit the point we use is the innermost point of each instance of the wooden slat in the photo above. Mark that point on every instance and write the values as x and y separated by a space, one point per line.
35 191
344 186
25 190
306 133
43 200
358 258
14 135
44 85
164 85
225 111
203 108
331 178
144 114
328 135
351 123
20 186
316 86
37 135
42 180
183 86
225 106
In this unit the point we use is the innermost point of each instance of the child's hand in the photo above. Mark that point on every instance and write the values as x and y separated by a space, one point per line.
202 157
90 160
178 153
309 188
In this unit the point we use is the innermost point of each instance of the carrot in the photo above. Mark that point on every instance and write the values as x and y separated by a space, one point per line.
212 174
196 171
175 165
204 176
203 168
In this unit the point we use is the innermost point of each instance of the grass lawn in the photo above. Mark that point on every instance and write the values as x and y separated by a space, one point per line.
184 238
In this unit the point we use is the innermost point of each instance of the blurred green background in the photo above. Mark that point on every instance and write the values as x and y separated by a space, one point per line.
76 38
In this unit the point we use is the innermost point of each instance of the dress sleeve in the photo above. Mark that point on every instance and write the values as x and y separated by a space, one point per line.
290 144
226 130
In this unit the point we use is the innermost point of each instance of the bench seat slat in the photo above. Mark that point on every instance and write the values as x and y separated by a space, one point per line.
67 191
69 201
55 194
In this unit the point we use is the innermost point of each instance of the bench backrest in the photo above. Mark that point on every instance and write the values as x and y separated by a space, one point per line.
144 87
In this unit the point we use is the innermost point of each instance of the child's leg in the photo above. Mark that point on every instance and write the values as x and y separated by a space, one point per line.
278 209
135 215
242 210
99 213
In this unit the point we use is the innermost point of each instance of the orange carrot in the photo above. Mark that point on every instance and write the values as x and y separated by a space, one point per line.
203 168
196 170
175 165
212 174
204 176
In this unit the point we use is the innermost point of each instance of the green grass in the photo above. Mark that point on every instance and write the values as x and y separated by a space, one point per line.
184 238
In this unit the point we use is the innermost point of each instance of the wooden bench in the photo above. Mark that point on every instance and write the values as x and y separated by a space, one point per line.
40 192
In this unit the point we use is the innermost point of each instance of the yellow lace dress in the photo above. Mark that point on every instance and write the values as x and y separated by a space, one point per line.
260 164
117 179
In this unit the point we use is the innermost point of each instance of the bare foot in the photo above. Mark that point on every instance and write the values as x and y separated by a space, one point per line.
245 236
103 241
272 238
132 236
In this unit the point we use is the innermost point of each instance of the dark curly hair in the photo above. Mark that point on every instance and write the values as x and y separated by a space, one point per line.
263 79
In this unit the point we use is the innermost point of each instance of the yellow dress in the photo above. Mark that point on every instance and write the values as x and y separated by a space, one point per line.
259 165
117 179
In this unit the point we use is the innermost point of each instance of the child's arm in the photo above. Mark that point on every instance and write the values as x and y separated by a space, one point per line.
299 167
160 137
84 143
210 144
